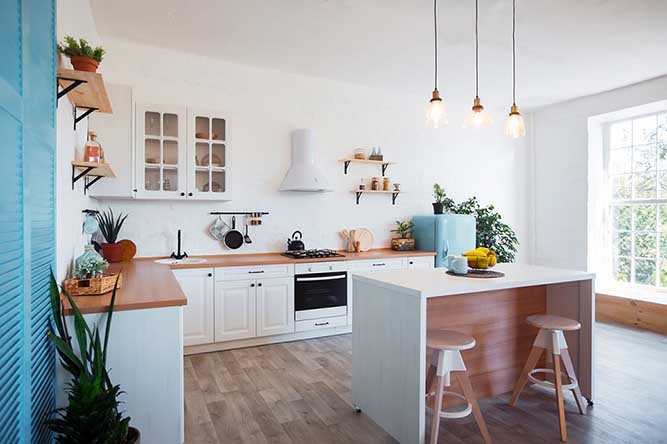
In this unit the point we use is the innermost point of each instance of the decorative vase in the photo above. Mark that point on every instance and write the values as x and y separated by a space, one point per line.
86 64
112 252
437 207
403 244
89 255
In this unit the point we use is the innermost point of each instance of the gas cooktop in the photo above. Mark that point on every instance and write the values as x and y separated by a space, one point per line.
312 254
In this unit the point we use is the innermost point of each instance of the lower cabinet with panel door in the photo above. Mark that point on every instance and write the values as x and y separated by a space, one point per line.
235 304
275 306
198 286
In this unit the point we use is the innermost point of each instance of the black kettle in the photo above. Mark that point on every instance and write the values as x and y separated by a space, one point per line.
295 243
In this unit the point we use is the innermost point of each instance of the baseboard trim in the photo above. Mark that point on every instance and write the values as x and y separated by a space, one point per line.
637 313
264 340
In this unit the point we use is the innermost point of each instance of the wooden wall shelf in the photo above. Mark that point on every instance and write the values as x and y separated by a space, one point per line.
383 163
85 90
394 194
88 170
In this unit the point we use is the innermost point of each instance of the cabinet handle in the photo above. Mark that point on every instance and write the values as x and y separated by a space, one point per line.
182 194
259 285
256 272
319 324
252 285
379 265
190 194
210 275
411 263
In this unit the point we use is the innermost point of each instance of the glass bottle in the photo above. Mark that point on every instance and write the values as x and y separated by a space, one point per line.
93 150
375 184
89 256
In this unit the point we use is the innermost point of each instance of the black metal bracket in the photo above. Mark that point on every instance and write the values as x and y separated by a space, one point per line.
238 213
384 168
88 211
347 164
70 87
79 118
394 195
76 177
359 193
88 182
393 198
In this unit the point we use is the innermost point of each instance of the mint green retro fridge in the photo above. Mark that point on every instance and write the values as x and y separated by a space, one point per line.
445 234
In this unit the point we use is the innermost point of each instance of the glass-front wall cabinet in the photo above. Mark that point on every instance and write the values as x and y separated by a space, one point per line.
209 155
161 152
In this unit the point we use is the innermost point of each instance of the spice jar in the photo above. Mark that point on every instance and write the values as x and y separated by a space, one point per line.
93 150
385 184
375 184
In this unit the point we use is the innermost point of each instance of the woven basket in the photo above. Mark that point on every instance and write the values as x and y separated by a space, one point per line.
92 286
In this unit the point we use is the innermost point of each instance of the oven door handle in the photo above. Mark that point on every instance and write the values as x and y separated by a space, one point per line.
321 278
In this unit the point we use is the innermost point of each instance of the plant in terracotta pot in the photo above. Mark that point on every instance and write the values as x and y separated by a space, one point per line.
81 54
92 414
110 226
404 242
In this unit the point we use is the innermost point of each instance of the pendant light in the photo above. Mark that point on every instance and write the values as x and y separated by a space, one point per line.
478 118
515 126
436 114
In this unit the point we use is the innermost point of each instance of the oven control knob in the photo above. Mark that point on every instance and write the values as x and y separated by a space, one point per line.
330 267
310 268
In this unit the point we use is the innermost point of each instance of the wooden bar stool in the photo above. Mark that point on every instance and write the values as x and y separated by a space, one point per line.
550 338
447 346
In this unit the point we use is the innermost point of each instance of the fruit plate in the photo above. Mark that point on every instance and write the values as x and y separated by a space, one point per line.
479 274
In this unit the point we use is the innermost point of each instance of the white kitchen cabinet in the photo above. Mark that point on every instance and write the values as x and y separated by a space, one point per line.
208 155
198 323
160 152
114 132
275 306
235 310
420 262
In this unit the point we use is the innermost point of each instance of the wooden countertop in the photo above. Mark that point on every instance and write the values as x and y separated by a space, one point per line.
235 260
150 285
145 285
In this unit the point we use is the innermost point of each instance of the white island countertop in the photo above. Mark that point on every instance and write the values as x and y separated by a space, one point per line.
435 282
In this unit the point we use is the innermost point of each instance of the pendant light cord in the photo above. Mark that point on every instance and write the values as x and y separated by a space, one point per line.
513 52
435 33
476 49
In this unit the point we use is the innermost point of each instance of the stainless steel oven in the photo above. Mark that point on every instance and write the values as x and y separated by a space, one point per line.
320 295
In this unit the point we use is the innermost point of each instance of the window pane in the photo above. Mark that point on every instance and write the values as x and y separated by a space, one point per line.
663 245
644 158
662 127
620 134
662 221
621 243
621 187
644 130
663 275
644 185
621 270
620 161
645 271
645 245
645 217
622 217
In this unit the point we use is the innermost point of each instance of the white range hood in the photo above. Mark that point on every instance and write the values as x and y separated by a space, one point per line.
304 173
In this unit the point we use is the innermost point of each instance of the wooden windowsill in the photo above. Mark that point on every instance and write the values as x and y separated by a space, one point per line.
634 292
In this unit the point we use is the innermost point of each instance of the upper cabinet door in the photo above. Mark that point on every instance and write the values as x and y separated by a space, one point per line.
208 155
161 152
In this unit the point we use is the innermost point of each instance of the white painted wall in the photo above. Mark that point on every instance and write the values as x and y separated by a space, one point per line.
561 179
266 105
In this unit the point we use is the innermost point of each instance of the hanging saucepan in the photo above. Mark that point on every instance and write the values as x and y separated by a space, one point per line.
233 238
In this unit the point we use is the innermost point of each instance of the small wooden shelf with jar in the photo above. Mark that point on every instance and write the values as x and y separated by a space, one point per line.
348 160
394 194
88 170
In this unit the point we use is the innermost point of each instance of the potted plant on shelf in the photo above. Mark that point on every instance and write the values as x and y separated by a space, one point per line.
404 242
81 54
92 414
441 199
110 227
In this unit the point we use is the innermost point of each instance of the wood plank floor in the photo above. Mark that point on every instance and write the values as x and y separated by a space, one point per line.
299 393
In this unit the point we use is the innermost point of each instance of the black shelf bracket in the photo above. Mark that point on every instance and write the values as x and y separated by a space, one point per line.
88 182
70 87
384 168
76 177
393 198
85 114
394 195
347 164
359 193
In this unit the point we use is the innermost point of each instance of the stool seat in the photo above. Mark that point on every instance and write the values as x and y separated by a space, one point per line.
448 340
551 322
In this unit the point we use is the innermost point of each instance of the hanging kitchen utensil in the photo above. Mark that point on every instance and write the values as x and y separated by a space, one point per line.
218 228
246 238
233 237
295 243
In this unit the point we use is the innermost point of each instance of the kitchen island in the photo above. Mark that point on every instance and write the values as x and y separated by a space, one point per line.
393 311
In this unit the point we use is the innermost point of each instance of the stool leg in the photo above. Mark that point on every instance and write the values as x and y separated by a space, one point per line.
534 356
569 370
470 396
437 407
430 376
559 398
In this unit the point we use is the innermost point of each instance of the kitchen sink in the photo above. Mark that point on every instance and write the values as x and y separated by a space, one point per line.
184 261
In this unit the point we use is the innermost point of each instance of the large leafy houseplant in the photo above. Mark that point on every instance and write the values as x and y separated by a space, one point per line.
92 415
492 232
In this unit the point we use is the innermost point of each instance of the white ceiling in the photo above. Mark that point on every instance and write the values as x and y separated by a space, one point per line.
565 48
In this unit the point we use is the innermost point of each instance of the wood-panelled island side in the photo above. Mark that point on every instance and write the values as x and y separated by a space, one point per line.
394 309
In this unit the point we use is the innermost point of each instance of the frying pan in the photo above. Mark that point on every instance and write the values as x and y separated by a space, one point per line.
233 238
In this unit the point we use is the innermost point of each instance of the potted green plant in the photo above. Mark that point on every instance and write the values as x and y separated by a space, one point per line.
404 241
92 414
441 199
110 227
81 54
